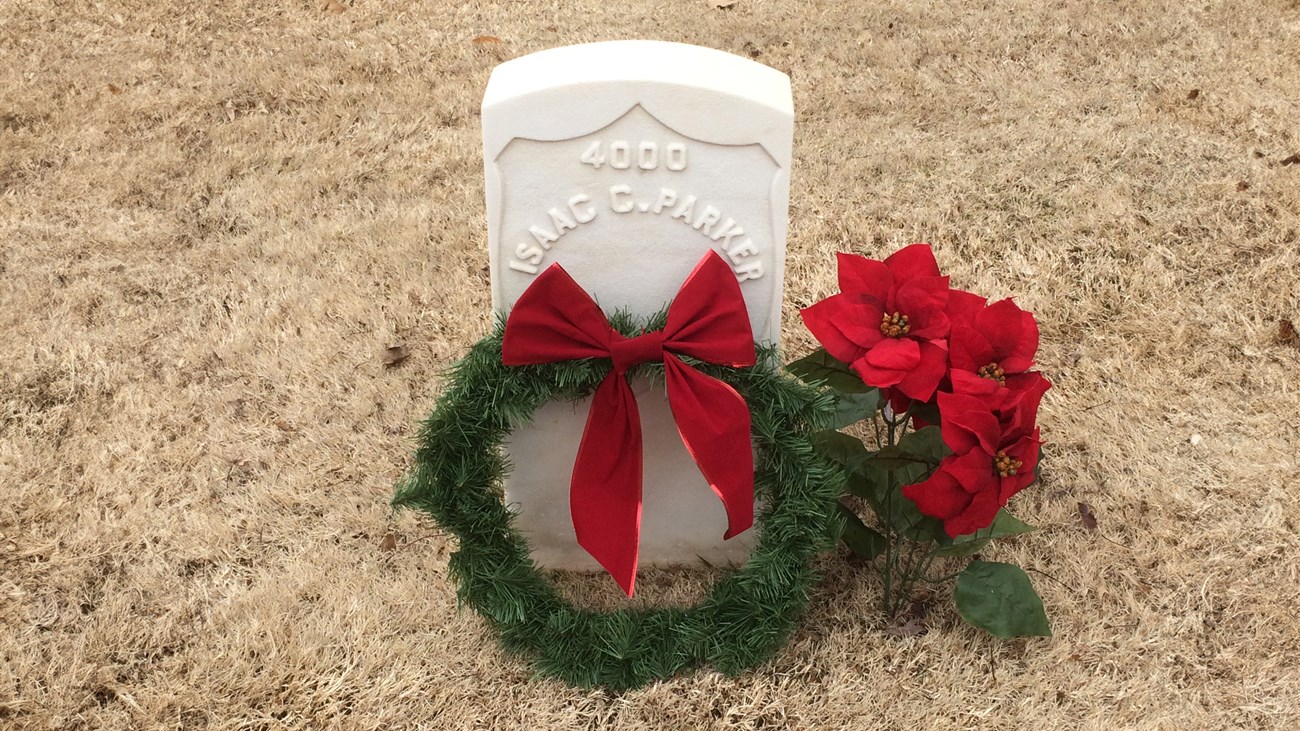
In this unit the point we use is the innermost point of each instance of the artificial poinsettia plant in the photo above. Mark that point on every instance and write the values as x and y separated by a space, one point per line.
936 426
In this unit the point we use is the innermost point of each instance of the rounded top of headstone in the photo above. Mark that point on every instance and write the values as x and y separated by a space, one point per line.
640 61
704 93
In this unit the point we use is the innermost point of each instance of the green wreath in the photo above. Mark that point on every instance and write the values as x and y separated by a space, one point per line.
747 615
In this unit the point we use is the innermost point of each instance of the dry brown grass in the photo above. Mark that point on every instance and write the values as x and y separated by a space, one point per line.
214 217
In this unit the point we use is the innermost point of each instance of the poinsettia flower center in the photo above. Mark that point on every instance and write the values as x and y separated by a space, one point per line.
894 326
1005 464
993 372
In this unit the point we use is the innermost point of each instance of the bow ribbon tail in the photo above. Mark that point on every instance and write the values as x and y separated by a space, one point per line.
714 423
605 492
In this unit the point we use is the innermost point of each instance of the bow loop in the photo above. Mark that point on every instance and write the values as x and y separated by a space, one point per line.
556 320
698 327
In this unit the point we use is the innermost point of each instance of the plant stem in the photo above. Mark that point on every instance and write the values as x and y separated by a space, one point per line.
891 548
893 551
903 565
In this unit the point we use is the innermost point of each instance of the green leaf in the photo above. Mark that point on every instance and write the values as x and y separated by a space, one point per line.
854 407
926 443
927 412
967 545
819 367
1005 524
849 452
905 519
917 527
999 599
859 485
881 477
860 539
893 459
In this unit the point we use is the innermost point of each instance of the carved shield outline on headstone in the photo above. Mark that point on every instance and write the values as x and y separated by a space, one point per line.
642 249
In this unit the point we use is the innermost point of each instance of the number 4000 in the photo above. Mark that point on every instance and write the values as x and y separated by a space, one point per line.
620 155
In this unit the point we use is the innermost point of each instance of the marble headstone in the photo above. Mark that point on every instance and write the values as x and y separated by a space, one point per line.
625 161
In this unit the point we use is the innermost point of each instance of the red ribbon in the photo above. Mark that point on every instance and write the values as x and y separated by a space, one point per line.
556 320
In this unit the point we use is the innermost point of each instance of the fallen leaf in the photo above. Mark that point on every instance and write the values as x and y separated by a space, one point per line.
1086 515
911 622
1242 185
395 354
1287 335
1193 93
389 542
553 29
486 41
1293 160
114 89
334 7
910 628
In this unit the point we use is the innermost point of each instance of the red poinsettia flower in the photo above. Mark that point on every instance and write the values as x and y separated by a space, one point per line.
994 456
967 491
991 349
889 322
1000 340
1000 394
963 306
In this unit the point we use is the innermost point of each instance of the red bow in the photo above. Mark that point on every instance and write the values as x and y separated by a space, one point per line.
556 320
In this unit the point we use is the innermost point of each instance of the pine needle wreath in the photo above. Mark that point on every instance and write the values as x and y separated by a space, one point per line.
748 614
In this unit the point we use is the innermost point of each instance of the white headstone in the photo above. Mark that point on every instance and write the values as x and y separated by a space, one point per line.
625 162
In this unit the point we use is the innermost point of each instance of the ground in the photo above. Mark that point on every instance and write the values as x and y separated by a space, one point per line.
215 217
